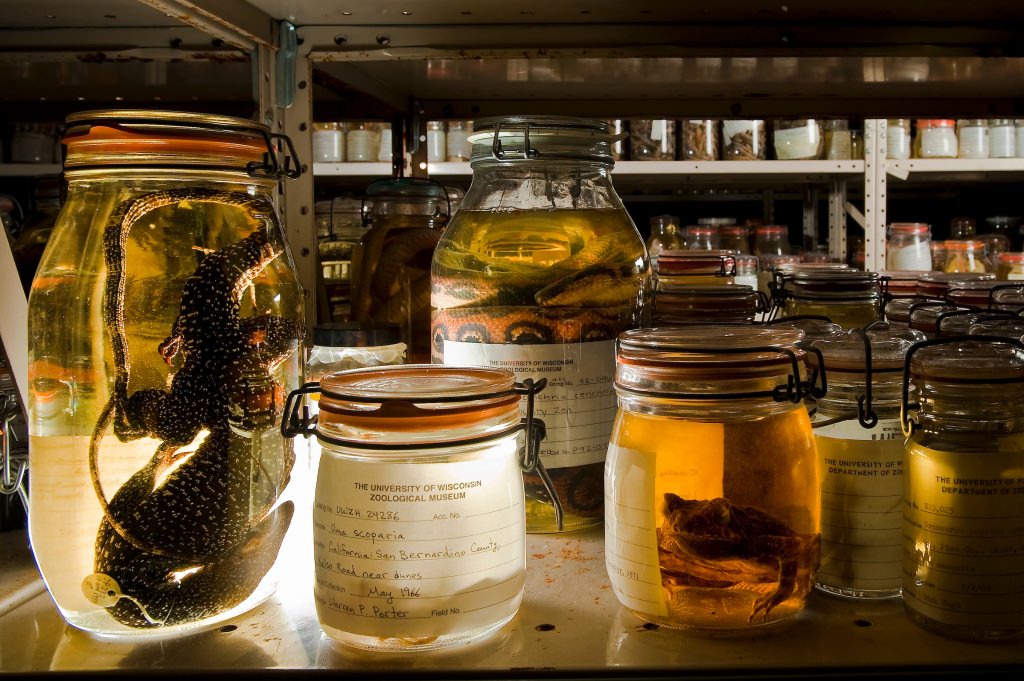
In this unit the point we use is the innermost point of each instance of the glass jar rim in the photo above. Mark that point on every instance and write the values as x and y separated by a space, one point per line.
911 227
543 138
968 361
936 123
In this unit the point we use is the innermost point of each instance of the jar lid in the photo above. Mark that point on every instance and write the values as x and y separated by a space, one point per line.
831 284
847 352
770 230
125 137
708 348
898 310
965 244
715 262
936 123
541 138
415 404
356 334
1012 257
734 230
967 360
716 222
925 316
1011 327
910 227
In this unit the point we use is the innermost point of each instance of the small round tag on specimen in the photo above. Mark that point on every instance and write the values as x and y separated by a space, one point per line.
102 590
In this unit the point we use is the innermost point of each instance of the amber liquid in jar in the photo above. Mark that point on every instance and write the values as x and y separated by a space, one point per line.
555 289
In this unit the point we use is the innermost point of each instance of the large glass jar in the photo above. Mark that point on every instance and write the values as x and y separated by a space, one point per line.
418 533
963 488
860 445
897 138
721 535
540 269
967 256
164 330
391 281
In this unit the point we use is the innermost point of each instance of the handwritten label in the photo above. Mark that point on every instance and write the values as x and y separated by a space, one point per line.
577 406
630 540
414 550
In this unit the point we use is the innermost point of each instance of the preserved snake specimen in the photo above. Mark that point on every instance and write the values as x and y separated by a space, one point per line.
192 533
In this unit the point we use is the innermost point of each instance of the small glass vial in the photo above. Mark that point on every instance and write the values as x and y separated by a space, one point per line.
897 138
457 140
909 246
665 236
860 446
418 521
936 138
963 488
1002 138
721 536
744 140
362 142
328 142
972 138
966 255
437 145
700 140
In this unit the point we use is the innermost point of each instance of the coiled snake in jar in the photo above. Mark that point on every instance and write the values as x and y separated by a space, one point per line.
193 532
588 296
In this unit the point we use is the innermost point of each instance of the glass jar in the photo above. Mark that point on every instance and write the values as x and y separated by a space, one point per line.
457 140
909 246
437 145
936 138
1010 266
800 138
768 266
837 140
652 140
962 228
972 138
328 142
899 283
418 534
938 249
935 285
700 140
404 217
697 268
897 312
701 237
164 329
963 488
929 317
860 447
682 305
339 230
966 255
976 294
541 269
770 240
620 132
385 143
1018 124
744 140
734 238
721 536
1002 138
665 236
897 138
848 297
1007 226
1008 327
746 270
362 142
340 346
1008 297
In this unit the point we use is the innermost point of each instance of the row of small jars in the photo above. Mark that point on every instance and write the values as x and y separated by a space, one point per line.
712 233
973 138
736 140
910 247
365 141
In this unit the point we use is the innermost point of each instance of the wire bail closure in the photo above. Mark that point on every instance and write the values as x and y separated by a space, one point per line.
296 420
908 422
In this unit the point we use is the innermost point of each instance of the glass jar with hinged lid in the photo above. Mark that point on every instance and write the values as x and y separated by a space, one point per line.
721 536
729 304
165 324
860 445
418 521
935 285
540 269
928 316
697 268
850 298
963 486
899 283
